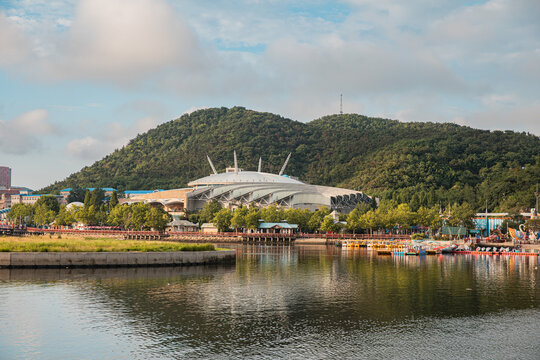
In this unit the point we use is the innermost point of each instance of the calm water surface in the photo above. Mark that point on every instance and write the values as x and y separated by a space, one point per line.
278 302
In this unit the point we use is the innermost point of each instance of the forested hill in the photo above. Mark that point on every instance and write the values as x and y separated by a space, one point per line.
419 163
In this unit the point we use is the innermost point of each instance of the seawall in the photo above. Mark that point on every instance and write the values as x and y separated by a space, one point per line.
114 259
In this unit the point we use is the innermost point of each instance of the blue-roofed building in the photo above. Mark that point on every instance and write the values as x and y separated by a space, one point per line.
134 193
107 190
277 228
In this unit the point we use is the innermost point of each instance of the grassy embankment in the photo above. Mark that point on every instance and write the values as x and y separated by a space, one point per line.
48 244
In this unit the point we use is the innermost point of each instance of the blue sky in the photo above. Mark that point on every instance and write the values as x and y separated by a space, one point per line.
78 79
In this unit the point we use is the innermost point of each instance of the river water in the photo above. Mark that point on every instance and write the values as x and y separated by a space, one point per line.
293 302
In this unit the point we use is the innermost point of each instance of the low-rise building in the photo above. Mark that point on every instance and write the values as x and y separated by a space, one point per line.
178 224
209 228
5 197
277 228
107 190
31 199
172 201
132 194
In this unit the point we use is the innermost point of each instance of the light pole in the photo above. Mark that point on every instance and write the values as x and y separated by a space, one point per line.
537 195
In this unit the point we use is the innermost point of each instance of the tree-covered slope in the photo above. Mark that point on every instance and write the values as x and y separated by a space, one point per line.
419 163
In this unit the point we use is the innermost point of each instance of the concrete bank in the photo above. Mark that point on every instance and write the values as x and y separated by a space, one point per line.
124 273
114 259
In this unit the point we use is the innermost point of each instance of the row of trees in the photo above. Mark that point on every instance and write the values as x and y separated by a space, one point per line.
364 218
97 210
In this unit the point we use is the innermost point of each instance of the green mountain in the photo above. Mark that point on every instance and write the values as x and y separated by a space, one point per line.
418 163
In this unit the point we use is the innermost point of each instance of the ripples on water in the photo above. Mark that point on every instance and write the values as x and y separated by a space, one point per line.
286 302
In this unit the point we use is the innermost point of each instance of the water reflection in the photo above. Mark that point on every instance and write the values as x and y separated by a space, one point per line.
304 301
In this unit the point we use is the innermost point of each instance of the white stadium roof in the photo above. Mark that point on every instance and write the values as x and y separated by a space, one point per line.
243 177
236 187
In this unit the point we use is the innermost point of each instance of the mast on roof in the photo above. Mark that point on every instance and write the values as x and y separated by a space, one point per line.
211 165
285 165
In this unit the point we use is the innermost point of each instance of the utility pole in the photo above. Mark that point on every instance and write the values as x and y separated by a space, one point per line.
487 220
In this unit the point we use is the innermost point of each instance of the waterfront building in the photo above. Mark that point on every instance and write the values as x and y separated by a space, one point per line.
277 228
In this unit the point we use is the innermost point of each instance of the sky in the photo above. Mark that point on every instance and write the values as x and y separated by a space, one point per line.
78 79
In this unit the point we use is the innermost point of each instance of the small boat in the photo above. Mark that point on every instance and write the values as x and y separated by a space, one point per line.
449 249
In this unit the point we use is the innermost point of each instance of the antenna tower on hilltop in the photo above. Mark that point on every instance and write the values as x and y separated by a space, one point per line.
341 104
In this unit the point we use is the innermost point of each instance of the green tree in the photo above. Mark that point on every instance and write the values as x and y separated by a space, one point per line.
157 218
404 216
101 214
252 218
353 220
238 220
209 211
370 220
120 216
43 215
298 216
76 194
98 195
194 218
316 219
66 217
87 198
114 200
272 214
533 225
138 215
461 215
222 219
88 215
21 214
328 225
50 202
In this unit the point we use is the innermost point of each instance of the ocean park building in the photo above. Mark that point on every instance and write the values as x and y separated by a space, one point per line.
235 188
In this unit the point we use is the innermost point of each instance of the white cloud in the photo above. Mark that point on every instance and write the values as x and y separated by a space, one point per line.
87 147
22 134
118 41
521 117
14 45
102 143
126 38
34 122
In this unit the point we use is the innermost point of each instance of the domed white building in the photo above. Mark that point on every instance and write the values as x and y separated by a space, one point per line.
235 188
